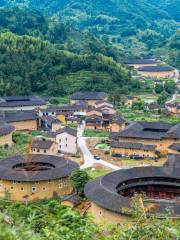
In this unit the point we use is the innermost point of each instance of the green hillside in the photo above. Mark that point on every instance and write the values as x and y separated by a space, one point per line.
135 27
28 64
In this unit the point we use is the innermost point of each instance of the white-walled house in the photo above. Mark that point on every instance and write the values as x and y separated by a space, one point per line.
66 139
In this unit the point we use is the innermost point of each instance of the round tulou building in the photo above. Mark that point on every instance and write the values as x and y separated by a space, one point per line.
35 177
112 195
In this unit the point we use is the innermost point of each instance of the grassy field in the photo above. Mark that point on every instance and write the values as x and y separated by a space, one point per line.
95 133
94 173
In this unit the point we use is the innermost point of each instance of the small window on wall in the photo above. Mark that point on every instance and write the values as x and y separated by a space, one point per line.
22 189
34 189
44 188
100 213
44 151
11 188
60 185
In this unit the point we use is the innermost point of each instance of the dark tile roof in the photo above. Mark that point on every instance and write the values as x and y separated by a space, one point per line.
156 69
146 130
117 119
50 119
59 109
175 146
89 96
19 116
73 198
174 132
173 161
93 119
42 144
60 168
104 191
131 145
70 131
140 61
5 129
114 135
16 101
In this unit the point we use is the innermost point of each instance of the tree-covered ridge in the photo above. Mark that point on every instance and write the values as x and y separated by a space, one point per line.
28 65
136 27
34 23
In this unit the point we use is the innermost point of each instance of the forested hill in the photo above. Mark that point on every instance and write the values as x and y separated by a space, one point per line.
34 23
61 46
135 27
31 65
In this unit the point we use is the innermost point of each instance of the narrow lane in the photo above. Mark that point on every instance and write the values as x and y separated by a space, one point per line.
88 157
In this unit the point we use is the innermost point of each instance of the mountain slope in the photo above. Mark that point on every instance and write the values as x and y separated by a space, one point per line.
29 65
117 22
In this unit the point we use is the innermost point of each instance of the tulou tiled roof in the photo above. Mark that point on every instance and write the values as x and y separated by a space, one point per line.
156 69
19 101
16 116
89 96
150 130
129 145
105 191
140 61
174 132
58 168
5 129
175 146
173 161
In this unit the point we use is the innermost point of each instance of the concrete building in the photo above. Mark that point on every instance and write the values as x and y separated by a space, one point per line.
35 177
66 139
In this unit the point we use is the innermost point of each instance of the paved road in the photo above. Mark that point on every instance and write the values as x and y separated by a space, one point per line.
88 157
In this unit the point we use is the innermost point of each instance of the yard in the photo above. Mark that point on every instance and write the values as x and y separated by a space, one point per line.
97 171
102 146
